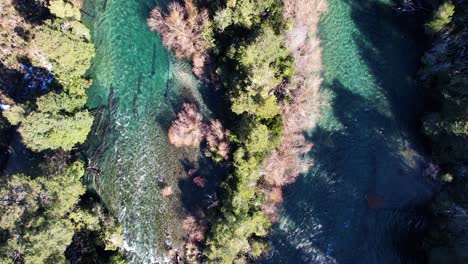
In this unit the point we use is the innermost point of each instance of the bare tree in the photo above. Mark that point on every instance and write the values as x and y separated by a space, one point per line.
188 129
181 30
216 137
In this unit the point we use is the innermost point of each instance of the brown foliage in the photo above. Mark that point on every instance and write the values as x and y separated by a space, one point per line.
199 181
188 128
181 30
274 197
216 137
195 228
289 161
286 163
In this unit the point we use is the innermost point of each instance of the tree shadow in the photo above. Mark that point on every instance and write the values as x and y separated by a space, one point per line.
32 11
391 44
201 196
326 216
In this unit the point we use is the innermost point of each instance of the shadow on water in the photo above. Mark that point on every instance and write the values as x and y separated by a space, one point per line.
363 201
391 45
327 216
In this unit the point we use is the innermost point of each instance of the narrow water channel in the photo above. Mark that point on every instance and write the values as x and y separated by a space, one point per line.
361 201
137 88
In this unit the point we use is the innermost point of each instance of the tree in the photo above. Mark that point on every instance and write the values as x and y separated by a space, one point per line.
182 30
64 9
216 137
68 55
59 121
41 131
39 213
265 63
243 13
188 128
19 200
442 17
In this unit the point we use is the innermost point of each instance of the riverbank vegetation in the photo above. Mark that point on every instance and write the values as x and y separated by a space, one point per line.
183 29
445 74
253 49
46 213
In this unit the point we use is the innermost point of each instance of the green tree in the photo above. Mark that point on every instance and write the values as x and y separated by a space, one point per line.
59 121
19 200
64 9
442 17
243 12
41 131
265 63
69 54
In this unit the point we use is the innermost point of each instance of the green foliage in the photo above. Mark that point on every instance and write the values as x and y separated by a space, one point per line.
444 70
265 63
232 237
42 229
20 198
69 54
243 12
41 131
442 17
255 64
56 102
64 9
59 120
15 114
258 140
255 105
42 215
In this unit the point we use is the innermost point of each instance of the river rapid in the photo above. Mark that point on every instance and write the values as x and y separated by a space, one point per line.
360 201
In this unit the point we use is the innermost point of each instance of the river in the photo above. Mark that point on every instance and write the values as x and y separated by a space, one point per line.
137 89
365 145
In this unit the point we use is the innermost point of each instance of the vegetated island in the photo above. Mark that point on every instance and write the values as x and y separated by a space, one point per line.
265 57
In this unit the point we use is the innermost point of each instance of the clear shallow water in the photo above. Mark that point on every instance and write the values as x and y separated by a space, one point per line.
137 88
365 143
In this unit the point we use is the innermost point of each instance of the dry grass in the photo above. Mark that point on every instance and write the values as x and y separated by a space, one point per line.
286 163
181 30
188 128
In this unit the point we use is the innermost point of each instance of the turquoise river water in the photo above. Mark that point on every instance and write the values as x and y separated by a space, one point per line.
365 144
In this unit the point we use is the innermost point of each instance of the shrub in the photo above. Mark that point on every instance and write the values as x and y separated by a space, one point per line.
216 137
188 129
182 30
194 228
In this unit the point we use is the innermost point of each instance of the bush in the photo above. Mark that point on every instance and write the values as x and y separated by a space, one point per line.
183 30
188 128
